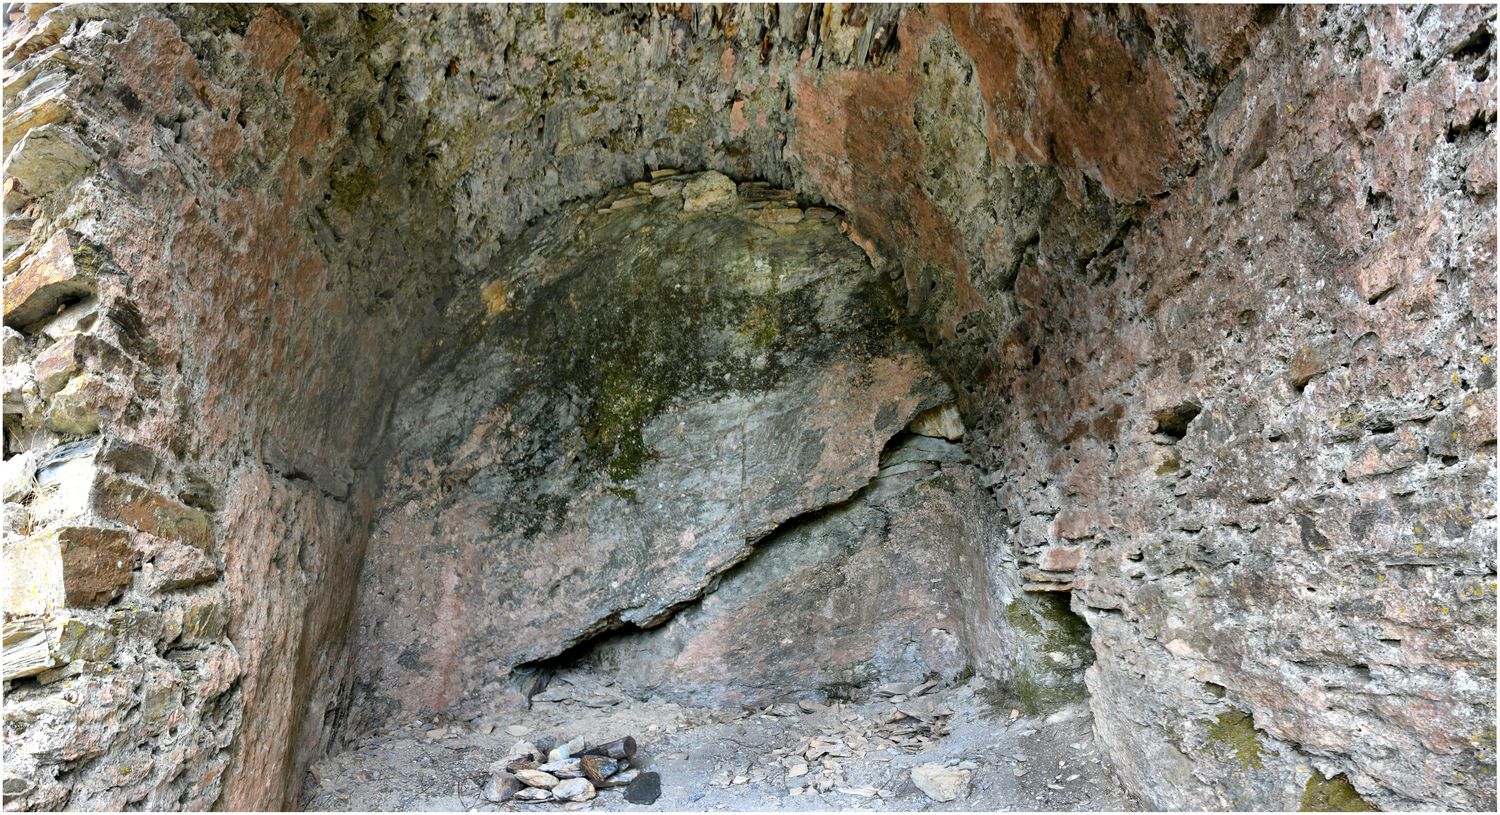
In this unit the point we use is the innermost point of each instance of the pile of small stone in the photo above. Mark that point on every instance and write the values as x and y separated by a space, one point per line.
813 764
571 772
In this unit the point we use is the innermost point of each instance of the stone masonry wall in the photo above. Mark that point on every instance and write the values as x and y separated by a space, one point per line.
209 486
1268 473
1214 287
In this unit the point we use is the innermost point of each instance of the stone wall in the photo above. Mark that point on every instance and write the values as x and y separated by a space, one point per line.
1214 288
174 168
1269 469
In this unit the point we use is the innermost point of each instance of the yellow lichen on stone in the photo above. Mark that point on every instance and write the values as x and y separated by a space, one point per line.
494 298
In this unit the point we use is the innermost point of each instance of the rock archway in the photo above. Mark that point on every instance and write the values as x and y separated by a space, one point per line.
1210 290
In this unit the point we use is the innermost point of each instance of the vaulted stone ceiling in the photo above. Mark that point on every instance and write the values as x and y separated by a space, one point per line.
1213 289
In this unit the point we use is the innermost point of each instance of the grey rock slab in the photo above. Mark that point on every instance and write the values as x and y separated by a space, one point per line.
660 391
645 789
574 789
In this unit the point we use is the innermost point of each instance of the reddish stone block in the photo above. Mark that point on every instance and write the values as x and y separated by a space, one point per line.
1467 427
168 565
1074 525
1401 452
56 364
51 278
140 507
1309 361
1061 558
1377 278
72 566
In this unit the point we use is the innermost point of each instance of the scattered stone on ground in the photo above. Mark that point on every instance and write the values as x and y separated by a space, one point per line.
939 782
910 747
645 789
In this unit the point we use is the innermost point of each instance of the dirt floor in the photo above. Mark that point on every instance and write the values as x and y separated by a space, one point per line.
857 756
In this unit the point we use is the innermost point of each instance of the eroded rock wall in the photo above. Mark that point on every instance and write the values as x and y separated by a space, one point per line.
644 390
892 585
1270 468
172 189
1267 233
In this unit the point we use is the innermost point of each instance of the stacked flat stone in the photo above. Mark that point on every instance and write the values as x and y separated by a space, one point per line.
564 773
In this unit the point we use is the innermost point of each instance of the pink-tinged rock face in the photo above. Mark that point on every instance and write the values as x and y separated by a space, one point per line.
1093 214
867 592
1061 558
766 379
71 566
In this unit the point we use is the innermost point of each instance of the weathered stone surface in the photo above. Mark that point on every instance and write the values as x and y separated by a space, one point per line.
1308 584
30 645
52 277
940 783
574 789
664 389
17 476
55 365
645 789
72 566
14 346
537 778
74 410
863 593
710 190
501 788
127 502
1093 214
941 422
533 795
49 158
167 564
563 767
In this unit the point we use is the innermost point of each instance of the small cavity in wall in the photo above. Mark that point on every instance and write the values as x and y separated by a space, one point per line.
1052 651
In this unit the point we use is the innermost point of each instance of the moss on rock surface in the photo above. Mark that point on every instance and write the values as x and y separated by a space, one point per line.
1235 729
1056 649
1334 794
664 385
651 307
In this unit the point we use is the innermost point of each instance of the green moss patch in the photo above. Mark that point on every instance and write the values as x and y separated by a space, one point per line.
351 186
1334 794
1040 682
648 308
1235 729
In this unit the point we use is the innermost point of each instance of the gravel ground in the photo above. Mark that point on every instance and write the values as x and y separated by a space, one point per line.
712 760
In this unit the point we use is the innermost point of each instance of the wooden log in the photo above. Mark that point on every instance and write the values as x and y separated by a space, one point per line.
618 749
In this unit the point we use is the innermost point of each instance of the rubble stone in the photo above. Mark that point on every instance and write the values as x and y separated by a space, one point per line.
644 790
537 778
80 567
501 788
52 277
573 789
940 783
